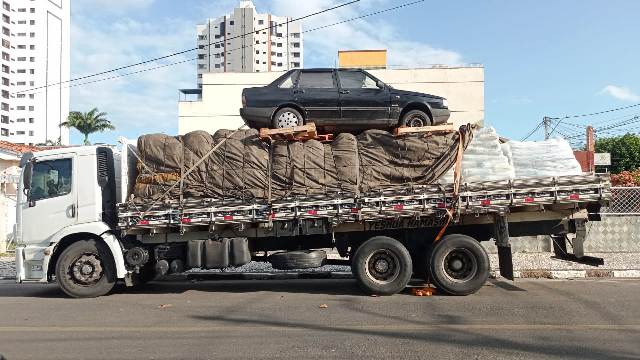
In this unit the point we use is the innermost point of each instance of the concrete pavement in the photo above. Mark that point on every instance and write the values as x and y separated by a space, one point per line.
568 319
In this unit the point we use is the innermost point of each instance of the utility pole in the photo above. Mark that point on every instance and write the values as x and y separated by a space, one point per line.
546 121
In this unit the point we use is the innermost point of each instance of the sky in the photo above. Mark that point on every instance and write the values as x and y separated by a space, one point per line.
541 58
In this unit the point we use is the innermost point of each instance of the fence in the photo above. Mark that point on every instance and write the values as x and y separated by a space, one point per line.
624 201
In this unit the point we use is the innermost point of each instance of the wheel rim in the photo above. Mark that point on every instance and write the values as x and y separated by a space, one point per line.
416 121
86 270
383 266
287 119
460 265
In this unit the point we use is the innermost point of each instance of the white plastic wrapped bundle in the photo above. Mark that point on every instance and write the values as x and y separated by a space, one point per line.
552 157
483 160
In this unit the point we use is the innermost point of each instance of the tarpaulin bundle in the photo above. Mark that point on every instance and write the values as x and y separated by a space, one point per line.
244 167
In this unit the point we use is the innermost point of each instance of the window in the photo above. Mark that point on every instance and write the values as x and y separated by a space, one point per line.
356 80
279 54
22 10
6 6
32 47
4 119
202 37
257 52
279 45
217 66
6 43
50 179
296 54
21 96
20 120
32 34
296 44
200 46
4 132
31 108
5 69
231 22
32 96
202 66
4 106
6 31
6 19
32 59
32 71
257 41
257 61
316 80
22 58
22 22
31 121
288 82
22 34
32 22
32 10
21 83
201 56
5 94
217 46
279 64
260 22
295 35
21 71
20 132
5 56
22 47
295 64
279 35
5 81
20 107
30 132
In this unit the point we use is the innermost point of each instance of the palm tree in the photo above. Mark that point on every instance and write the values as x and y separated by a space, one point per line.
88 123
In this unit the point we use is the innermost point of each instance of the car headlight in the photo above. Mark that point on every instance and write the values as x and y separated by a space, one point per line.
445 103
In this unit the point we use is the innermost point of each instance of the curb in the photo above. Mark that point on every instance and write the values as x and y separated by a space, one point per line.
570 274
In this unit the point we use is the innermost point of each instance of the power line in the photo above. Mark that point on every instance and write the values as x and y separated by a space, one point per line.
532 131
184 51
239 48
595 113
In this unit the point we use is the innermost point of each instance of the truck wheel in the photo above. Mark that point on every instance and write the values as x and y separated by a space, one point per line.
86 269
382 266
287 117
415 118
459 265
303 259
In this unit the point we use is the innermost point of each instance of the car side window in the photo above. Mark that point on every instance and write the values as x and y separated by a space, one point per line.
287 83
50 178
316 80
356 80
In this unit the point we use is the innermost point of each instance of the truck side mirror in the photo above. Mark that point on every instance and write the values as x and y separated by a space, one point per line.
26 176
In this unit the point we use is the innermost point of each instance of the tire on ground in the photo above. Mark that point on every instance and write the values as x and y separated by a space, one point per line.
382 266
412 117
459 265
95 278
285 110
303 259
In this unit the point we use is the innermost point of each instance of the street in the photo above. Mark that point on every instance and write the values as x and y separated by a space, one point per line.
580 319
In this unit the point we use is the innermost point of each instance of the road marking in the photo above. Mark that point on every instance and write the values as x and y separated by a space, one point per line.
302 327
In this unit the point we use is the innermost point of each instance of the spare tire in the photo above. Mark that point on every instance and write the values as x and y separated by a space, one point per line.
302 259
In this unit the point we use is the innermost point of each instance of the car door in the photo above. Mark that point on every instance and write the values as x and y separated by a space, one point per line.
362 102
51 202
317 92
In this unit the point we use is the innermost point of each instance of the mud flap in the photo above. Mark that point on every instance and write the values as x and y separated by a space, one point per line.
505 257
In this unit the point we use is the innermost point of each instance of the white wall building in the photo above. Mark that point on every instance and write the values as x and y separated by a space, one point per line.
246 41
35 53
219 101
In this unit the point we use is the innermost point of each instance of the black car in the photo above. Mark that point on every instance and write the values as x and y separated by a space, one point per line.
344 99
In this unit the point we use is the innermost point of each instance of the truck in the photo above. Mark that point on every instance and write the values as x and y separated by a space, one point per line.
78 225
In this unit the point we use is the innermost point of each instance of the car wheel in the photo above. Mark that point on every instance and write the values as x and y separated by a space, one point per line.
85 269
416 118
459 265
287 117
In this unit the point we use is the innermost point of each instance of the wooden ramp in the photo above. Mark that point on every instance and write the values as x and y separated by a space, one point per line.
422 129
296 133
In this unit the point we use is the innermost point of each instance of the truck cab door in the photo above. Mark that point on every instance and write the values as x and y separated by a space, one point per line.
50 202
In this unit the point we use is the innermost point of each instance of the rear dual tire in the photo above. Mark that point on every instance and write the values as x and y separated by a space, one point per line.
382 266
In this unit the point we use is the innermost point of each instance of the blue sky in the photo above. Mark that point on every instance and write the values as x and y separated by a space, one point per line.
541 58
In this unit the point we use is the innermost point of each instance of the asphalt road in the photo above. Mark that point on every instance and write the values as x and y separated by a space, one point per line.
581 319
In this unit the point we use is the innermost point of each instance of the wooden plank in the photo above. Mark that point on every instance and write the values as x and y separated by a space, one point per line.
422 129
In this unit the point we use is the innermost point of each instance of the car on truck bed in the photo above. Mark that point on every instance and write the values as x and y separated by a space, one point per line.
338 99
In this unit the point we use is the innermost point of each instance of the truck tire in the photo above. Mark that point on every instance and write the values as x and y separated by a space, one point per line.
287 117
415 118
303 259
459 265
382 266
86 269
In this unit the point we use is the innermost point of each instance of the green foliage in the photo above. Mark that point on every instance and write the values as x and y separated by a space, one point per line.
625 151
88 123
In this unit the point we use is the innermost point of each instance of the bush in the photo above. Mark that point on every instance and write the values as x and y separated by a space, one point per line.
626 178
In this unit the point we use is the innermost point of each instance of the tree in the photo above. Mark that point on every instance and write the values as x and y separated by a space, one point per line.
88 123
625 151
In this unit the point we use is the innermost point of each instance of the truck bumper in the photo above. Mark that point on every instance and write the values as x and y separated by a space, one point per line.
440 116
256 117
32 263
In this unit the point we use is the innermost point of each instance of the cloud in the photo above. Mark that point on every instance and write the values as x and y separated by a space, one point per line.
620 93
368 33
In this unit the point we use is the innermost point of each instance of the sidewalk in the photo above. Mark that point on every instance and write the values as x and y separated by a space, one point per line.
526 265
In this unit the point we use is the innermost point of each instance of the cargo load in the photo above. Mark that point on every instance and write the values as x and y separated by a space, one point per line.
245 167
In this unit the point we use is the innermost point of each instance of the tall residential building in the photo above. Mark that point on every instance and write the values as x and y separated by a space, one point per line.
246 41
35 53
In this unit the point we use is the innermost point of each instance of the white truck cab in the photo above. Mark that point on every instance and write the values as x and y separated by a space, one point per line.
65 195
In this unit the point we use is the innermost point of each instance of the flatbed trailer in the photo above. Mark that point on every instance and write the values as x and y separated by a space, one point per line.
389 235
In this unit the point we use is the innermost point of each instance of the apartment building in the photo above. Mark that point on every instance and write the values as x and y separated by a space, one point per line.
246 41
35 53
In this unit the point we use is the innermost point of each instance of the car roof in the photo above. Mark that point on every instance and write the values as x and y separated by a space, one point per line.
329 69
